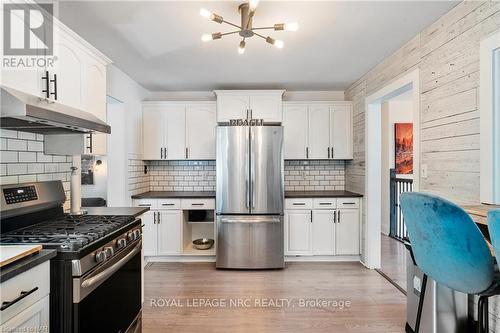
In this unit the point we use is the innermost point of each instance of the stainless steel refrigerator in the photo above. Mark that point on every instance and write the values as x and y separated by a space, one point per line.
250 194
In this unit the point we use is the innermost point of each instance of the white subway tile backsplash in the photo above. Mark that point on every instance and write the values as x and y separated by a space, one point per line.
27 156
16 144
26 135
9 156
35 146
306 175
4 133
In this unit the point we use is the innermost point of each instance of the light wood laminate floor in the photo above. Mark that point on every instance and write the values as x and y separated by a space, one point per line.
171 290
393 260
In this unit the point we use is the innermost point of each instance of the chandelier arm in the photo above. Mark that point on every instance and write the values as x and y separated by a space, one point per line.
230 33
234 25
259 35
263 28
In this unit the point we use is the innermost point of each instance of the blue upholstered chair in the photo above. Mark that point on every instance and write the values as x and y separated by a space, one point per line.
449 247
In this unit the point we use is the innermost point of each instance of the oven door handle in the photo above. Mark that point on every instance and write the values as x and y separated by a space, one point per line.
112 269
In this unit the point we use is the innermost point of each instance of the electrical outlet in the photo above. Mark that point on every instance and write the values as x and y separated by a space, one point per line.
423 171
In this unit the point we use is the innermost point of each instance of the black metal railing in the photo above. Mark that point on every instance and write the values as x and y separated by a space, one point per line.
397 223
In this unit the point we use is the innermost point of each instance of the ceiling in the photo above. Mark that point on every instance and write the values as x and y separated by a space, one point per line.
158 43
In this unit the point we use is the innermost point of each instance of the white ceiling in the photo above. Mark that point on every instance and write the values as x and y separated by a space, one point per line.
158 43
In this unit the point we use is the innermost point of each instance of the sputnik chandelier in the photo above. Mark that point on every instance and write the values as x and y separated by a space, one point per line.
246 29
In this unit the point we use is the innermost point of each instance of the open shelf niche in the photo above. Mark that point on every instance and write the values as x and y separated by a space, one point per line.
200 224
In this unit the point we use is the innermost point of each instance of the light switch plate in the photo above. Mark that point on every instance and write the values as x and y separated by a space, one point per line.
423 171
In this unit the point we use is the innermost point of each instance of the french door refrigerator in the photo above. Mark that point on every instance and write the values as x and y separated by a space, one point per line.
249 198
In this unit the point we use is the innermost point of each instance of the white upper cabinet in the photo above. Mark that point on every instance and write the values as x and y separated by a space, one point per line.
295 131
341 132
152 133
200 131
267 106
249 104
318 130
174 118
178 130
232 106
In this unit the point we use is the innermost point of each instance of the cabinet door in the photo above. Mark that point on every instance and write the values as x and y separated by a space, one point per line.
200 127
169 232
174 118
267 107
28 80
341 132
35 316
149 233
95 102
232 106
152 133
323 239
70 71
298 232
347 232
319 131
295 132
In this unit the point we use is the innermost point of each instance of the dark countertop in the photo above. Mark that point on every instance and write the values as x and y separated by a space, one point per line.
173 194
322 194
124 211
20 266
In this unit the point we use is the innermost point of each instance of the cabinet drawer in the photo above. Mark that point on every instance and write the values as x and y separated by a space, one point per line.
37 277
198 203
151 203
348 203
298 203
169 204
325 203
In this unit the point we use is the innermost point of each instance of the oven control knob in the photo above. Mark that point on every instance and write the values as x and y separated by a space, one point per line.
131 236
108 251
121 243
100 256
137 233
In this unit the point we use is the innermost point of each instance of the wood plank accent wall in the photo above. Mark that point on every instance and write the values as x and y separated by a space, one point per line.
447 54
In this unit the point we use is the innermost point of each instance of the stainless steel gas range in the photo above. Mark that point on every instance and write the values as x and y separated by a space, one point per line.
96 275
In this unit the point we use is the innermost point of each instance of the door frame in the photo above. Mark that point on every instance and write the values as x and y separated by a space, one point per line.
373 157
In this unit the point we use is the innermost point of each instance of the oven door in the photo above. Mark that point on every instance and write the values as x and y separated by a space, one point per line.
108 298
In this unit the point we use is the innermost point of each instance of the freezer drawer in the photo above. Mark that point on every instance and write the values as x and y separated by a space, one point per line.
250 242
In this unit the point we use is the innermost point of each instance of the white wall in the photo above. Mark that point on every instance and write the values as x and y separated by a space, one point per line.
126 135
399 110
210 96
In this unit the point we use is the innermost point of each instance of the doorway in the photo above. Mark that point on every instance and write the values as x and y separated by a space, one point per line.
380 158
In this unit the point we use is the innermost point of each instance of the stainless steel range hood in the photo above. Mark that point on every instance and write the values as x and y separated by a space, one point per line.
24 112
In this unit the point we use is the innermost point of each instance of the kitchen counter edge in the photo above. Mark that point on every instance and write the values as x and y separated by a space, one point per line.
121 211
21 266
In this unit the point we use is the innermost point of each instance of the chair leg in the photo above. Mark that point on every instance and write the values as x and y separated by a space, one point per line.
486 322
421 303
480 316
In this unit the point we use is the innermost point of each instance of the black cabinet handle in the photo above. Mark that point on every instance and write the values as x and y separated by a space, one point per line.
54 81
299 204
338 217
197 204
159 218
331 149
154 217
161 153
165 153
307 152
328 152
168 204
348 203
47 84
187 153
325 203
311 216
22 295
144 205
247 114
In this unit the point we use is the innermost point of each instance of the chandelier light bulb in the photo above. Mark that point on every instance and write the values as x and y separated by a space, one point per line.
206 37
253 4
241 48
293 26
279 44
205 13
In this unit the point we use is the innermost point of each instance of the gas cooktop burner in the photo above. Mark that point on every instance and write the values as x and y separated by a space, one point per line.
67 233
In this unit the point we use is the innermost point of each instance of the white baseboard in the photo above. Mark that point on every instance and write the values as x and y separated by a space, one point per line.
297 258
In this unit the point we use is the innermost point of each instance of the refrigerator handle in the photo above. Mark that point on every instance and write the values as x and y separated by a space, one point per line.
247 171
252 167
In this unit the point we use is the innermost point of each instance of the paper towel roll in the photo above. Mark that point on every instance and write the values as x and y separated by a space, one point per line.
76 195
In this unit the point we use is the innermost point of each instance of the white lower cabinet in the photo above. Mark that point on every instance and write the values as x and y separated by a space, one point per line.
169 231
323 232
347 232
298 232
32 319
321 227
149 233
